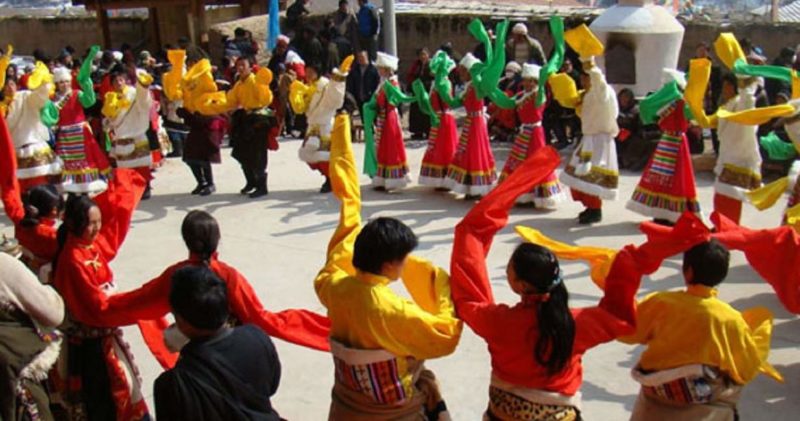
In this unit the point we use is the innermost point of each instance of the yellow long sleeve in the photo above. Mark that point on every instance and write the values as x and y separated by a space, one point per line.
251 93
365 312
5 61
172 79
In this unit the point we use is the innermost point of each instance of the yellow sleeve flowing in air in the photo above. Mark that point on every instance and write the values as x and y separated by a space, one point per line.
252 93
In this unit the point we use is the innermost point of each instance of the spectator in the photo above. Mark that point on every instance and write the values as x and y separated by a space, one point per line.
346 26
308 46
278 57
522 48
419 122
480 48
710 102
223 372
369 26
503 122
330 51
774 86
243 44
562 122
295 15
363 79
630 154
193 52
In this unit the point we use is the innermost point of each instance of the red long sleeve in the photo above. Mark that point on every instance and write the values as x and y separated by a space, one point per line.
116 205
9 185
773 253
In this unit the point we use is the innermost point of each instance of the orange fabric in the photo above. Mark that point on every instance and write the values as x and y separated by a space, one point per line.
588 200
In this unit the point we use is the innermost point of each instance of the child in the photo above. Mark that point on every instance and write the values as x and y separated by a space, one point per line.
373 330
700 351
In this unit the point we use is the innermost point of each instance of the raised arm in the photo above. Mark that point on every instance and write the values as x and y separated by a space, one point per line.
9 185
472 291
86 95
369 111
116 205
344 182
5 61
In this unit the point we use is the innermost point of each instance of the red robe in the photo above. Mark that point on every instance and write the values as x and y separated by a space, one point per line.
667 187
83 278
511 331
392 166
442 144
39 240
472 171
151 301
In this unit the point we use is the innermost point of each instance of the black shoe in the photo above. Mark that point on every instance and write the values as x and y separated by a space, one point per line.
261 187
592 217
472 197
198 189
147 193
247 189
258 193
174 154
379 188
207 190
326 187
583 214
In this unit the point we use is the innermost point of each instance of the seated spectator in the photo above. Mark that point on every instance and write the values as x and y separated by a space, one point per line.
562 122
503 122
223 372
628 122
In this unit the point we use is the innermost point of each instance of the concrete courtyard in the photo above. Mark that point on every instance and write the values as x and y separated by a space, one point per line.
279 242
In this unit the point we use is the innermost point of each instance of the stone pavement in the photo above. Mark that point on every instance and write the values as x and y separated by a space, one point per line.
279 243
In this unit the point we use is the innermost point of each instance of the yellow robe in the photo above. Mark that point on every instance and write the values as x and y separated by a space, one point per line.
364 311
694 327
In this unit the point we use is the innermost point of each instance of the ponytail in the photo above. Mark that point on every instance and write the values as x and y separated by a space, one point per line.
40 202
538 267
201 234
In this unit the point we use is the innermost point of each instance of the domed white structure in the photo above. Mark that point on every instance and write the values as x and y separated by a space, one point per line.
641 39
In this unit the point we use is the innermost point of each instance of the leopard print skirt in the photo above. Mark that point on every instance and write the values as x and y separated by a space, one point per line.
506 406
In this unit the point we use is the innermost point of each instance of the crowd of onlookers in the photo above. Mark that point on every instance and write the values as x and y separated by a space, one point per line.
357 31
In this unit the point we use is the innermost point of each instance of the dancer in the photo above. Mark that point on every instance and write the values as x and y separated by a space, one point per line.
667 188
34 213
472 171
700 351
202 235
319 101
28 114
537 345
203 106
85 166
387 167
223 373
592 172
531 103
443 137
250 125
373 330
127 112
101 380
738 168
30 342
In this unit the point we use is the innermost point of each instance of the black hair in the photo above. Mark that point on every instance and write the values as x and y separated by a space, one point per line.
199 297
317 67
76 219
201 234
239 32
39 202
539 268
732 80
382 240
709 262
341 2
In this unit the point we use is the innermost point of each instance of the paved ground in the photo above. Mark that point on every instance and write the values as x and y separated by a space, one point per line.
279 243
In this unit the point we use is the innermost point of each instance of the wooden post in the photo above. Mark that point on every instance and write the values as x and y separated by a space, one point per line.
199 22
247 8
155 27
102 17
774 12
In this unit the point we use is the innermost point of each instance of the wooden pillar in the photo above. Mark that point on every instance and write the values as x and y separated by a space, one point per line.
775 11
155 27
199 23
102 17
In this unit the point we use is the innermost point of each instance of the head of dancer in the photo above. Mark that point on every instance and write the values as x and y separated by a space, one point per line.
199 301
534 273
82 220
382 247
706 264
41 202
201 234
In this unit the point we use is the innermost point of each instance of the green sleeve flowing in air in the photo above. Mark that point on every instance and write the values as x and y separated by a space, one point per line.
424 102
556 60
368 114
87 96
776 148
49 114
651 106
740 67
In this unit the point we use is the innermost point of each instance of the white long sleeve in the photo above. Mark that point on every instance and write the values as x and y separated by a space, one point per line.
20 289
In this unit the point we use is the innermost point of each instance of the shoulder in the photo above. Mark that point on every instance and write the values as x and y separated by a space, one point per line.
164 386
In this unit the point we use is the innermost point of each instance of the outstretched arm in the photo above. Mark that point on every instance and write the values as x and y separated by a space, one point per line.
116 205
9 185
86 95
472 291
344 182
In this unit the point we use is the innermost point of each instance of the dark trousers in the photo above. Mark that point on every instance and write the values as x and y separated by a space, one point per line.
202 172
249 133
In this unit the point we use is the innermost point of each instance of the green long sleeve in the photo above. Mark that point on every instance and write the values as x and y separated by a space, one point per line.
424 102
651 106
87 96
556 60
395 95
368 113
776 148
49 114
741 67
